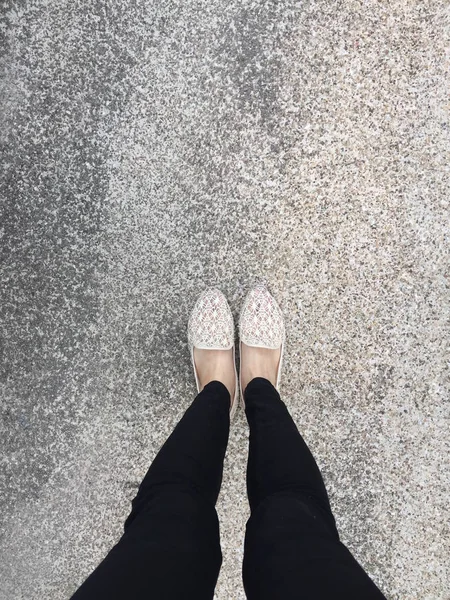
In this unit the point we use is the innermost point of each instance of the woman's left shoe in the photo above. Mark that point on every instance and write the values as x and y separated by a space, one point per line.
211 327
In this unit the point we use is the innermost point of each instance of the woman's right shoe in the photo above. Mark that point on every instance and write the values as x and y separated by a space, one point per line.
261 325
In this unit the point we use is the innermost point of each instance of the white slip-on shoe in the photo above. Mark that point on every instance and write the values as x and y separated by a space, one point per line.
211 327
261 325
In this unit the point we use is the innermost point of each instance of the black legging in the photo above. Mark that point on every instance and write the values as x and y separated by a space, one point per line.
171 548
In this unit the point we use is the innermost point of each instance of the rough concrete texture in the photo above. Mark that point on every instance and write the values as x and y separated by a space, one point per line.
151 149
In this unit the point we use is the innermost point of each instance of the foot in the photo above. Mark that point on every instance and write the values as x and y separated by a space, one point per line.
259 362
215 365
261 331
211 343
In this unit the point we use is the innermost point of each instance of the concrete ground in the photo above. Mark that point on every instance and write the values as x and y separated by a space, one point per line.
151 149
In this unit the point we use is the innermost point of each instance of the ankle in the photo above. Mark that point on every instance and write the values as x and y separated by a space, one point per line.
259 362
215 365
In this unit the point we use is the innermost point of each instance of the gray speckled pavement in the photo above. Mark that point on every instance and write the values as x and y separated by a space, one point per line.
151 149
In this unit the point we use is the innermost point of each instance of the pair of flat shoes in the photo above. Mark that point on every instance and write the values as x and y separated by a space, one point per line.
211 327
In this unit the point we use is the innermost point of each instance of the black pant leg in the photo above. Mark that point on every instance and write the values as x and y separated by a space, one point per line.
292 547
171 546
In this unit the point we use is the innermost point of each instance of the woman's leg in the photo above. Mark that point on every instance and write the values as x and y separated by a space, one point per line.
292 547
171 547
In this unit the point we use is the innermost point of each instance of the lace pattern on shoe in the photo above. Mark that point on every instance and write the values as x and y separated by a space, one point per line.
261 323
211 322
